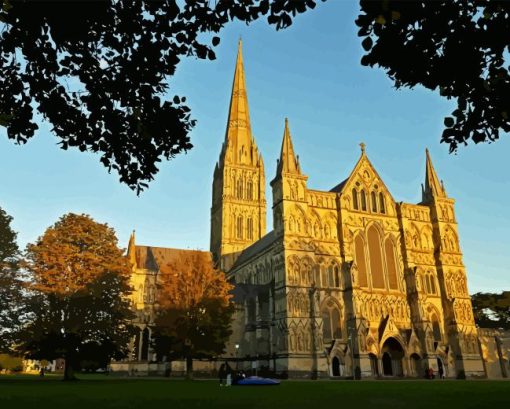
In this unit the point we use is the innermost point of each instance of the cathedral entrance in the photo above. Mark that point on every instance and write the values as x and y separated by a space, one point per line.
416 365
393 353
336 366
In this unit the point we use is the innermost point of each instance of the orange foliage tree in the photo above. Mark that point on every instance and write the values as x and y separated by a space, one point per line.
194 310
80 287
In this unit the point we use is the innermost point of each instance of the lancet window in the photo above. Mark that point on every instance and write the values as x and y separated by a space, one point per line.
374 202
382 205
391 264
249 227
239 227
376 260
363 201
331 327
355 199
361 261
436 328
239 189
249 190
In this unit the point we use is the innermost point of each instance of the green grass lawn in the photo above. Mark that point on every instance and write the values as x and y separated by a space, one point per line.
98 392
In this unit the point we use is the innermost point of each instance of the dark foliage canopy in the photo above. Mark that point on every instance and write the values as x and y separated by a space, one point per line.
460 47
492 310
11 296
99 72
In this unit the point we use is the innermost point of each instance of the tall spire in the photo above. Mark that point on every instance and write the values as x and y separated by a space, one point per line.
288 162
238 138
432 185
131 252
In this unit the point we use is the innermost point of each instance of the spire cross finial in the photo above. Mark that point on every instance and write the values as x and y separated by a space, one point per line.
362 147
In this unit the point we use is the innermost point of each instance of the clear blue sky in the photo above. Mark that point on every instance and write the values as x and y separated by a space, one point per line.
310 73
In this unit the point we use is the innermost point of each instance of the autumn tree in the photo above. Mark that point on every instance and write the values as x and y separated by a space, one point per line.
11 294
194 311
492 310
80 288
458 47
99 72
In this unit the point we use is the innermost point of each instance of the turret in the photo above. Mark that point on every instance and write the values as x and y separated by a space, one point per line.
432 186
289 184
131 251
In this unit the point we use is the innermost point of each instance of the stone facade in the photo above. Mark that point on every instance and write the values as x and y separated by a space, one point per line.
349 282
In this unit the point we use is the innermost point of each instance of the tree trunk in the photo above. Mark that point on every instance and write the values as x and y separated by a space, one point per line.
189 367
69 371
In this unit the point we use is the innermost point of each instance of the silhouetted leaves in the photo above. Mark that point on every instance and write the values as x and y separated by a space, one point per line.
455 46
99 72
492 310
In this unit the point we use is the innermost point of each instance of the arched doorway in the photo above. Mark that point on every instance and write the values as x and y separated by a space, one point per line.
415 365
393 353
336 366
386 363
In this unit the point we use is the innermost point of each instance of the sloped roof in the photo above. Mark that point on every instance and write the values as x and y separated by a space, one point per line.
338 188
255 248
161 258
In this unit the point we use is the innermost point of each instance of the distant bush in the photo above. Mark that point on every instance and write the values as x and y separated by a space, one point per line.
11 363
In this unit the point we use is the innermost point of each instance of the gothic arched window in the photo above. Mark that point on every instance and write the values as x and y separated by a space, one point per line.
331 326
436 328
354 199
324 276
391 264
331 276
363 201
382 205
337 277
239 188
375 255
374 202
359 251
250 227
249 190
239 227
432 284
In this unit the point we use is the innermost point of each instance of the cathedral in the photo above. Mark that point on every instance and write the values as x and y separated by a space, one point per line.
347 283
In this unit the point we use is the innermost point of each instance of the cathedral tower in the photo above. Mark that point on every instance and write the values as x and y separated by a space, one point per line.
238 212
458 311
